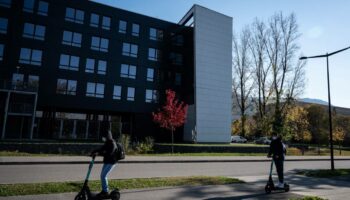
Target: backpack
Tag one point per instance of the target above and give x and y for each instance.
(119, 152)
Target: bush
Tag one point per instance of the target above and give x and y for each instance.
(145, 146)
(125, 141)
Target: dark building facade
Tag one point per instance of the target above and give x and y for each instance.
(72, 69)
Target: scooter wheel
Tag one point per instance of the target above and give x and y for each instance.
(116, 196)
(267, 189)
(286, 188)
(80, 196)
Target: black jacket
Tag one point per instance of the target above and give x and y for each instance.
(107, 151)
(277, 149)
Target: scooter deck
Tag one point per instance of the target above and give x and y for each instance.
(113, 195)
(270, 186)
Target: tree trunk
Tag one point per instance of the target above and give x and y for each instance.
(243, 125)
(172, 141)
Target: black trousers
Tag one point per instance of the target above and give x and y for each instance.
(279, 167)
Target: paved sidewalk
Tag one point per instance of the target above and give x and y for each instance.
(155, 159)
(253, 189)
(215, 192)
(336, 188)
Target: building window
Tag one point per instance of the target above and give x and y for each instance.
(17, 80)
(102, 67)
(135, 30)
(74, 15)
(178, 79)
(3, 25)
(176, 58)
(94, 20)
(128, 71)
(130, 49)
(5, 3)
(122, 26)
(2, 46)
(154, 54)
(106, 22)
(67, 87)
(150, 74)
(131, 94)
(30, 56)
(155, 34)
(117, 92)
(33, 31)
(151, 96)
(71, 38)
(95, 90)
(177, 40)
(28, 6)
(69, 62)
(99, 44)
(90, 65)
(43, 8)
(33, 82)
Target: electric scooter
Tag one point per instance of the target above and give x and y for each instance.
(270, 186)
(86, 194)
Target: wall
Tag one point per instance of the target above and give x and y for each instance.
(213, 74)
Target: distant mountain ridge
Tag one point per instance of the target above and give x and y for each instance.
(339, 110)
(315, 101)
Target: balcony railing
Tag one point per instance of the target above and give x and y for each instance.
(21, 108)
(19, 86)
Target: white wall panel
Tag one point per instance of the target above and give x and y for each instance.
(213, 74)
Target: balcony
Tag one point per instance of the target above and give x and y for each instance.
(19, 86)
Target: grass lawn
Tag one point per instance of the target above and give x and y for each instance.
(204, 154)
(325, 173)
(49, 188)
(290, 152)
(215, 144)
(16, 153)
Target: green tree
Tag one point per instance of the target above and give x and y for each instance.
(318, 125)
(296, 124)
(338, 137)
(287, 70)
(344, 123)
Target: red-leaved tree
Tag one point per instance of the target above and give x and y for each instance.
(172, 115)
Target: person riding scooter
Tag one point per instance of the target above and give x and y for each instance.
(109, 161)
(278, 151)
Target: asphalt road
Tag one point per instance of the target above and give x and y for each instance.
(76, 172)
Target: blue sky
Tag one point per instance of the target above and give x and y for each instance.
(324, 25)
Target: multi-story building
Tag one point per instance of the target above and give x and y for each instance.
(72, 69)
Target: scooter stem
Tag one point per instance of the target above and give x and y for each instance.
(271, 167)
(90, 168)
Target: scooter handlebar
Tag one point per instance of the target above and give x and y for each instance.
(93, 155)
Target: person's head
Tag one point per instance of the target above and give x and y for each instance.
(107, 136)
(274, 135)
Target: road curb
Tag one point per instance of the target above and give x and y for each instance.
(160, 161)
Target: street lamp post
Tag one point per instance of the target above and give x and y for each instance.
(329, 99)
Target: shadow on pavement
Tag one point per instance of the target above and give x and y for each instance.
(255, 189)
(234, 191)
(262, 196)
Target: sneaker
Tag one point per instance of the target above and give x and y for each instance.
(280, 185)
(102, 194)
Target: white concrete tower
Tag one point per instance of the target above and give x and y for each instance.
(210, 116)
